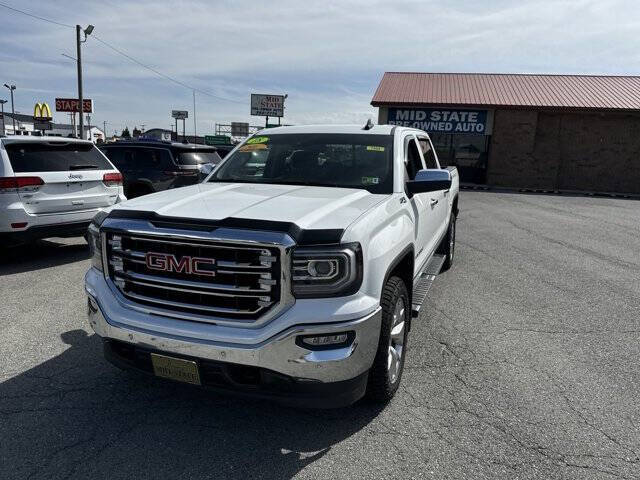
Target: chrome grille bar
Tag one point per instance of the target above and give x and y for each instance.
(247, 280)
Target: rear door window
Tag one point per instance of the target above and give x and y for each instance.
(55, 157)
(151, 158)
(116, 156)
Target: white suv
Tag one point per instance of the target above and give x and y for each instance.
(52, 187)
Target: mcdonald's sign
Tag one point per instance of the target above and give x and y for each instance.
(41, 111)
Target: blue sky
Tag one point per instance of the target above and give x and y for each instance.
(328, 56)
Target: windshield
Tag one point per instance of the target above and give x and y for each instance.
(55, 157)
(195, 157)
(335, 160)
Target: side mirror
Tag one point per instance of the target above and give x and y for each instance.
(430, 180)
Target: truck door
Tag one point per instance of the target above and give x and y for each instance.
(424, 216)
(439, 200)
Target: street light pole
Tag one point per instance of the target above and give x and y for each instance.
(195, 132)
(79, 64)
(86, 31)
(4, 128)
(13, 112)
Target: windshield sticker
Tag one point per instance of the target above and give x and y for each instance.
(252, 148)
(375, 148)
(254, 140)
(370, 180)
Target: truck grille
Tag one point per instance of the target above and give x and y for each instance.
(228, 280)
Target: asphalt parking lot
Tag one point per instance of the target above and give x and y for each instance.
(523, 364)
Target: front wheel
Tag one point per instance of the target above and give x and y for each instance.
(386, 372)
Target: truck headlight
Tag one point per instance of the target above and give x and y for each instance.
(95, 240)
(327, 271)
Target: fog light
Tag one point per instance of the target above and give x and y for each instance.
(333, 340)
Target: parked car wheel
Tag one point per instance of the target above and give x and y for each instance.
(386, 372)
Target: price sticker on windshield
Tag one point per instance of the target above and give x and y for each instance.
(370, 180)
(252, 148)
(254, 140)
(375, 148)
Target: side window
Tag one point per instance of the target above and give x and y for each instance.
(428, 153)
(151, 158)
(116, 156)
(413, 162)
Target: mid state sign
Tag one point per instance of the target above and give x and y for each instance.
(442, 120)
(73, 105)
(267, 105)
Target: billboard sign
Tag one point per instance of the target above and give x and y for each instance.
(73, 105)
(442, 120)
(267, 105)
(179, 114)
(239, 129)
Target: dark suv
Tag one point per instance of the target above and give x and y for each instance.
(152, 166)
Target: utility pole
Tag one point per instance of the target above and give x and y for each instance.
(13, 112)
(142, 125)
(104, 129)
(4, 129)
(86, 31)
(176, 129)
(195, 132)
(184, 138)
(79, 64)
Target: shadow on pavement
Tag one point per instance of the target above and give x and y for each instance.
(41, 254)
(75, 416)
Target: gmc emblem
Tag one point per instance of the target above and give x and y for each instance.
(165, 262)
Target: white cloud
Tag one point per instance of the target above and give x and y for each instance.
(328, 56)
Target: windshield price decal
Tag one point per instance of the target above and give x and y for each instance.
(253, 140)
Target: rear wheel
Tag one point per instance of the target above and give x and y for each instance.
(386, 372)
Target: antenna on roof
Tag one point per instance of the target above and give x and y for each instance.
(368, 126)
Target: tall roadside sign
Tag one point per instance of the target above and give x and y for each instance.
(180, 115)
(263, 105)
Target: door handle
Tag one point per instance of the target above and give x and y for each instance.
(433, 202)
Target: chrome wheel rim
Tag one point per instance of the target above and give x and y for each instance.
(396, 340)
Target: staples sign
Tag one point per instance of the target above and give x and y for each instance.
(73, 105)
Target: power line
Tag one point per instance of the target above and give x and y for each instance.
(167, 77)
(120, 52)
(35, 16)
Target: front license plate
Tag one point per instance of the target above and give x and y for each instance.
(175, 369)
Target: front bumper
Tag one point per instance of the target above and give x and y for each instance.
(279, 353)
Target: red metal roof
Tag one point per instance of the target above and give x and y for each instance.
(509, 90)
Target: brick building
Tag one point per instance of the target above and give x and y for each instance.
(548, 132)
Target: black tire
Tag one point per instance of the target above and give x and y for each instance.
(448, 245)
(383, 381)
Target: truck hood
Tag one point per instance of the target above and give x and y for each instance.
(306, 206)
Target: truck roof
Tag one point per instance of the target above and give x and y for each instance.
(353, 129)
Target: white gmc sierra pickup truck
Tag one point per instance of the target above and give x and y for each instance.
(291, 272)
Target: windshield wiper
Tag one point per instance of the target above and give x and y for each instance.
(83, 167)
